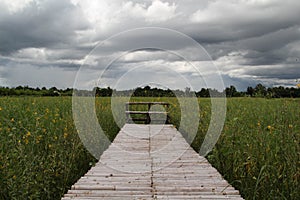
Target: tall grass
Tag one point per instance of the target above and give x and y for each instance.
(41, 154)
(259, 148)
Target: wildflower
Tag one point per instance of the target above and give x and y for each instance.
(55, 137)
(28, 134)
(14, 176)
(12, 120)
(26, 141)
(269, 127)
(49, 145)
(0, 108)
(258, 124)
(65, 135)
(38, 139)
(290, 126)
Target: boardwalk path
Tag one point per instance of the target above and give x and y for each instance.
(151, 162)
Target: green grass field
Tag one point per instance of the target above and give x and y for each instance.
(41, 154)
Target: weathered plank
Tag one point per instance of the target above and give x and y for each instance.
(151, 162)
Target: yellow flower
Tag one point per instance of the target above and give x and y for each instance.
(65, 135)
(290, 126)
(38, 139)
(0, 108)
(269, 127)
(258, 124)
(26, 141)
(55, 137)
(14, 177)
(12, 120)
(49, 145)
(28, 134)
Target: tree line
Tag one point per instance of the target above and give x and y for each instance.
(258, 91)
(29, 91)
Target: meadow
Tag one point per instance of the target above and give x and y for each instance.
(41, 155)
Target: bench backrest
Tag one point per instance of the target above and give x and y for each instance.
(144, 115)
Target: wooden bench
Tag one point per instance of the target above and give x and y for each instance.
(146, 113)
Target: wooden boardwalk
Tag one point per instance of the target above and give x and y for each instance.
(151, 162)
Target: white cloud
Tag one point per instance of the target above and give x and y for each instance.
(157, 12)
(109, 16)
(160, 11)
(139, 56)
(31, 53)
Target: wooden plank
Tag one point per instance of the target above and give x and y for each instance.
(145, 112)
(147, 103)
(151, 162)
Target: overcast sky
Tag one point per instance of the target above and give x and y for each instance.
(47, 42)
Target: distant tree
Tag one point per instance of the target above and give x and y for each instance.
(147, 87)
(250, 91)
(231, 91)
(203, 93)
(53, 89)
(187, 92)
(281, 92)
(19, 88)
(147, 91)
(295, 92)
(260, 90)
(215, 93)
(102, 92)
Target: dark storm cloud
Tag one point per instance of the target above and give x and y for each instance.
(44, 24)
(64, 64)
(249, 40)
(279, 72)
